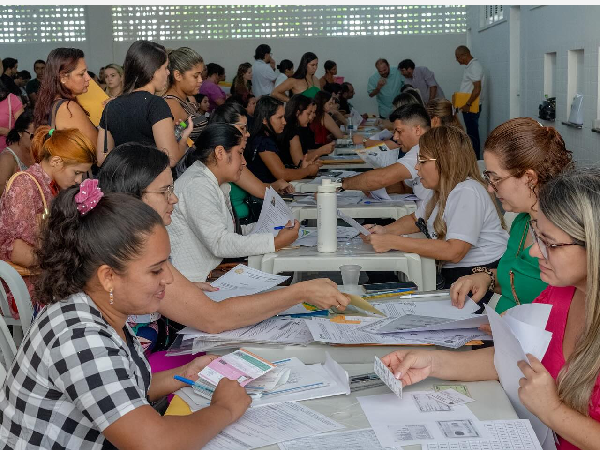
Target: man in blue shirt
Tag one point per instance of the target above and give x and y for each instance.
(385, 85)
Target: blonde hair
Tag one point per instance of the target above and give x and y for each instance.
(116, 67)
(455, 161)
(71, 145)
(443, 109)
(571, 201)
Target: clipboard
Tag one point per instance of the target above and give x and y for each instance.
(459, 99)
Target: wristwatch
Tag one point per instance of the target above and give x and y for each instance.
(365, 141)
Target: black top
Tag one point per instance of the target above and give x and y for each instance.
(345, 105)
(10, 85)
(131, 117)
(307, 142)
(258, 144)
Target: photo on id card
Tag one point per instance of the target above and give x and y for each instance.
(458, 428)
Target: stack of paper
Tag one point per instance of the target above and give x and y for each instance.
(243, 280)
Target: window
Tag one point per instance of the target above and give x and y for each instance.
(42, 24)
(491, 14)
(181, 22)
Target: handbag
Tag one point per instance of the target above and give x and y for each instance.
(26, 271)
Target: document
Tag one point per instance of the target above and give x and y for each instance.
(271, 424)
(274, 213)
(382, 135)
(379, 155)
(417, 419)
(348, 440)
(241, 365)
(381, 194)
(451, 397)
(386, 375)
(353, 223)
(243, 280)
(356, 118)
(512, 340)
(308, 237)
(505, 435)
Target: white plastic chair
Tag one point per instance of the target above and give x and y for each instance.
(17, 287)
(8, 349)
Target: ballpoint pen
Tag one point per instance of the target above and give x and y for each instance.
(283, 227)
(193, 384)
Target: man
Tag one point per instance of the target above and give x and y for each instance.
(11, 67)
(346, 94)
(33, 86)
(421, 78)
(21, 80)
(384, 85)
(410, 123)
(472, 82)
(263, 71)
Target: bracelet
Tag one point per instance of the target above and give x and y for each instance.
(299, 164)
(489, 272)
(365, 141)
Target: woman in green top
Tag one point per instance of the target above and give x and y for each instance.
(520, 157)
(302, 82)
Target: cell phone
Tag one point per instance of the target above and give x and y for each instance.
(390, 285)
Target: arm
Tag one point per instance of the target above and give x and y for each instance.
(453, 250)
(372, 180)
(251, 184)
(279, 171)
(321, 151)
(71, 115)
(164, 138)
(33, 97)
(332, 127)
(296, 150)
(477, 284)
(23, 254)
(279, 91)
(474, 95)
(110, 144)
(176, 110)
(8, 167)
(432, 92)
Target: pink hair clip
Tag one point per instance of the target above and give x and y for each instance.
(88, 196)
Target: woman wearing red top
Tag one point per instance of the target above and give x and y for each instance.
(323, 125)
(563, 389)
(62, 158)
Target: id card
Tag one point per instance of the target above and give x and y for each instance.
(386, 375)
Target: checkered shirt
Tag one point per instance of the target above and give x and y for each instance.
(73, 376)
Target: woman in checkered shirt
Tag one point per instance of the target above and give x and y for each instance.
(80, 379)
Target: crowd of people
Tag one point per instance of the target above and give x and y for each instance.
(118, 225)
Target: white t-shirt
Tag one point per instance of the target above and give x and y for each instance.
(263, 78)
(471, 217)
(280, 78)
(409, 160)
(473, 72)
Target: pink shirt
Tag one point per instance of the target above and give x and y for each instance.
(5, 121)
(213, 92)
(560, 298)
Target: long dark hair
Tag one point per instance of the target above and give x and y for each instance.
(61, 61)
(239, 85)
(21, 125)
(131, 168)
(3, 91)
(215, 134)
(143, 59)
(72, 246)
(266, 107)
(301, 71)
(296, 106)
(321, 98)
(228, 112)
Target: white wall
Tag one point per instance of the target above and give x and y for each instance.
(543, 30)
(355, 56)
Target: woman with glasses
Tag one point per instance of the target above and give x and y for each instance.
(461, 219)
(17, 155)
(520, 156)
(563, 389)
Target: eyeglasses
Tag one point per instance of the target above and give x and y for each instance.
(494, 183)
(166, 192)
(544, 246)
(422, 160)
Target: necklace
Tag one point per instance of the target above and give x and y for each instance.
(512, 273)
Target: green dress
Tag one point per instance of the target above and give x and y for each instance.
(237, 196)
(311, 91)
(526, 270)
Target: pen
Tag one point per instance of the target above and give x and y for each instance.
(390, 291)
(192, 383)
(283, 227)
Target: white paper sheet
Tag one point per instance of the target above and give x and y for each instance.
(379, 156)
(274, 213)
(381, 194)
(509, 351)
(271, 424)
(243, 280)
(364, 439)
(353, 223)
(308, 237)
(506, 435)
(401, 422)
(382, 135)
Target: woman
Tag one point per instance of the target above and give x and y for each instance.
(62, 158)
(251, 106)
(203, 230)
(203, 104)
(113, 74)
(262, 153)
(303, 81)
(139, 115)
(92, 383)
(441, 112)
(330, 73)
(143, 172)
(461, 219)
(293, 149)
(185, 80)
(210, 87)
(563, 390)
(11, 108)
(323, 125)
(242, 82)
(286, 70)
(521, 156)
(65, 77)
(17, 155)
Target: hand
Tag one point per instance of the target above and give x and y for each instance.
(205, 286)
(283, 187)
(323, 293)
(486, 328)
(477, 284)
(287, 235)
(375, 229)
(365, 116)
(191, 369)
(538, 391)
(381, 242)
(357, 139)
(313, 168)
(465, 108)
(381, 83)
(273, 63)
(312, 159)
(188, 130)
(232, 397)
(410, 366)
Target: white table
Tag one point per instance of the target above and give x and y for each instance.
(387, 210)
(347, 166)
(418, 269)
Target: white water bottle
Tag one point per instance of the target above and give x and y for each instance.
(327, 216)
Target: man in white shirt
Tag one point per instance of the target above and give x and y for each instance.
(410, 123)
(421, 78)
(472, 81)
(263, 71)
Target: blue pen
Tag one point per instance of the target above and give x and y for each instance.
(283, 227)
(192, 383)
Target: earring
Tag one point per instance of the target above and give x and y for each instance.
(112, 298)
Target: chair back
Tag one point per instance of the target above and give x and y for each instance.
(18, 288)
(8, 349)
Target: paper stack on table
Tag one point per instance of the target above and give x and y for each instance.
(243, 280)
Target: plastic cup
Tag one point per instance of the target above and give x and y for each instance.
(350, 274)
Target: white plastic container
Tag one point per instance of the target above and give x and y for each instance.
(327, 216)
